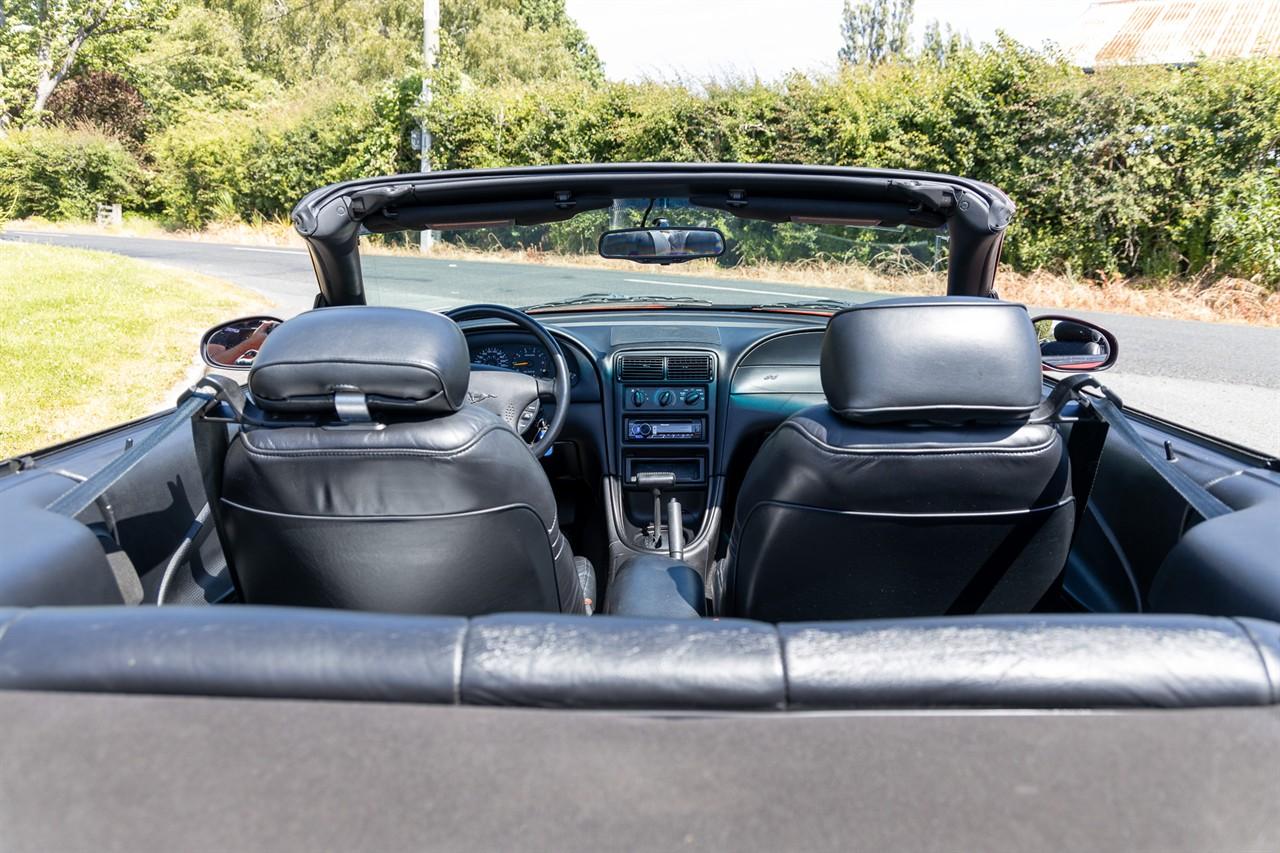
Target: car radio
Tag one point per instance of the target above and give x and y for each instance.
(673, 430)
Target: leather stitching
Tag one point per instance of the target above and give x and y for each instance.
(373, 452)
(1273, 687)
(987, 450)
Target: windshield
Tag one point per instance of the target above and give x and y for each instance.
(811, 263)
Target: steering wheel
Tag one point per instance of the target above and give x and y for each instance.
(514, 396)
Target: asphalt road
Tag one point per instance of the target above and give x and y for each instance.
(1221, 378)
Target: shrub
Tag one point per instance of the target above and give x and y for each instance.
(259, 162)
(65, 173)
(1148, 171)
(1245, 226)
(104, 100)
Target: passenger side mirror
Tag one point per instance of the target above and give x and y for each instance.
(234, 345)
(1068, 344)
(662, 245)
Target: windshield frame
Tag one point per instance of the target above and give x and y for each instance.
(331, 219)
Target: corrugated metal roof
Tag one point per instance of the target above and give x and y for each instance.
(1151, 32)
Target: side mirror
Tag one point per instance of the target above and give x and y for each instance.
(234, 345)
(662, 245)
(1068, 344)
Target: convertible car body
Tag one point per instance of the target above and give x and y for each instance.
(642, 570)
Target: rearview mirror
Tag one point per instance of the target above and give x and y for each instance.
(662, 245)
(234, 345)
(1068, 344)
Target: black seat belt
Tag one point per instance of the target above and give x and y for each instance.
(77, 499)
(1107, 412)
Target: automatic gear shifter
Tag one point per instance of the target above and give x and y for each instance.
(655, 480)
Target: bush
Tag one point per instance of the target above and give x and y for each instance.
(65, 173)
(1246, 227)
(104, 100)
(259, 162)
(1124, 171)
(1148, 171)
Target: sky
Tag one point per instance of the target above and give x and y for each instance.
(717, 39)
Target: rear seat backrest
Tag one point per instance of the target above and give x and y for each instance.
(559, 661)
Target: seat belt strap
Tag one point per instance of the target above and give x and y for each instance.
(1107, 410)
(211, 443)
(1084, 448)
(77, 499)
(80, 496)
(1197, 496)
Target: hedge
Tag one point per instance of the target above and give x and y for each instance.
(65, 173)
(1139, 171)
(259, 162)
(1148, 171)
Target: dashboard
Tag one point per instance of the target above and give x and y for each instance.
(686, 394)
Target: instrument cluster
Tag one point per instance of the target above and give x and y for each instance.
(528, 358)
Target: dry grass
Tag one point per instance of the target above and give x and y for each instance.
(1225, 300)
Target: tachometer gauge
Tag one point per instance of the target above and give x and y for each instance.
(492, 356)
(531, 360)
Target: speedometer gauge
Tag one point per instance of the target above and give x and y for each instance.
(531, 360)
(492, 356)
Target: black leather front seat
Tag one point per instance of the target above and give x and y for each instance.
(920, 488)
(430, 506)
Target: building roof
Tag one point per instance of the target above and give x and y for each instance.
(1162, 32)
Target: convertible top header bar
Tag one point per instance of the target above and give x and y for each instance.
(330, 218)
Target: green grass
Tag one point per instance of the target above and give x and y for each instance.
(92, 339)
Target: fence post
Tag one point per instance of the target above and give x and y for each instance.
(110, 215)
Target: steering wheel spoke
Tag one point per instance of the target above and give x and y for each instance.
(516, 397)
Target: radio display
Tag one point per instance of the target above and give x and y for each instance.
(673, 430)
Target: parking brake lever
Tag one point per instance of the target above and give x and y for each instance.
(675, 530)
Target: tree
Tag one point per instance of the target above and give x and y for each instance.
(941, 42)
(516, 41)
(875, 30)
(42, 40)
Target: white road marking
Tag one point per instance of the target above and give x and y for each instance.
(273, 251)
(718, 287)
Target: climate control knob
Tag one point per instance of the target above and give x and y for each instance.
(692, 397)
(666, 398)
(638, 397)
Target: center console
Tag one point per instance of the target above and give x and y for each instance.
(664, 416)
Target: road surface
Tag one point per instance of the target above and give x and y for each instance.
(1221, 378)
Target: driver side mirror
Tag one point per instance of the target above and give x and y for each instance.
(234, 345)
(1068, 344)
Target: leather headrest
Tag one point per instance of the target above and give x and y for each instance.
(398, 358)
(1065, 330)
(945, 359)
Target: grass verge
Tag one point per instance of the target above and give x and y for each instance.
(92, 339)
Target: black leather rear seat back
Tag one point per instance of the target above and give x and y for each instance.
(563, 661)
(272, 652)
(920, 488)
(616, 662)
(1086, 661)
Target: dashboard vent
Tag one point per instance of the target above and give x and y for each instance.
(639, 368)
(689, 368)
